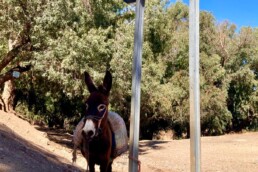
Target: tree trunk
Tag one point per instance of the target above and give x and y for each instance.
(8, 95)
(8, 92)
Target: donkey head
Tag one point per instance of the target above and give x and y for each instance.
(96, 105)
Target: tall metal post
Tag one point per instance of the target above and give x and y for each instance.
(136, 88)
(195, 130)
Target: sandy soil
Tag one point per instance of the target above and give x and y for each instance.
(28, 148)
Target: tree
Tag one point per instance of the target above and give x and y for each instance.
(16, 23)
(242, 92)
(75, 40)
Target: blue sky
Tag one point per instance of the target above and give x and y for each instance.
(240, 12)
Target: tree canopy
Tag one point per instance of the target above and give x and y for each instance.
(62, 39)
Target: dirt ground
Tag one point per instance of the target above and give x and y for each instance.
(28, 148)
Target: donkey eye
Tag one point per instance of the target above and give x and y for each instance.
(101, 107)
(86, 106)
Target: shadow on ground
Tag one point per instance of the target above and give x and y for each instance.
(145, 146)
(59, 136)
(63, 138)
(17, 154)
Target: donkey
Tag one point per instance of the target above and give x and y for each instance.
(96, 132)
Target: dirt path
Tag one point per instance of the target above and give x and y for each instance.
(28, 148)
(17, 154)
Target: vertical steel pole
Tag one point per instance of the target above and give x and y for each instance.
(195, 130)
(136, 87)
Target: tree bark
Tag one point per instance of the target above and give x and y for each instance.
(8, 95)
(8, 92)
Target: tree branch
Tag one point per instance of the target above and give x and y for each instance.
(22, 41)
(9, 75)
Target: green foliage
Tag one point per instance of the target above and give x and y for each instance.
(242, 100)
(70, 37)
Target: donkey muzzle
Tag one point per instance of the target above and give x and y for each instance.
(89, 129)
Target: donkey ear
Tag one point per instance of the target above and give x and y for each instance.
(107, 82)
(89, 83)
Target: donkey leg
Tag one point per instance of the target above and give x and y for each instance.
(109, 167)
(106, 167)
(92, 166)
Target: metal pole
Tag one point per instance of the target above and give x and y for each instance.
(136, 88)
(195, 130)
